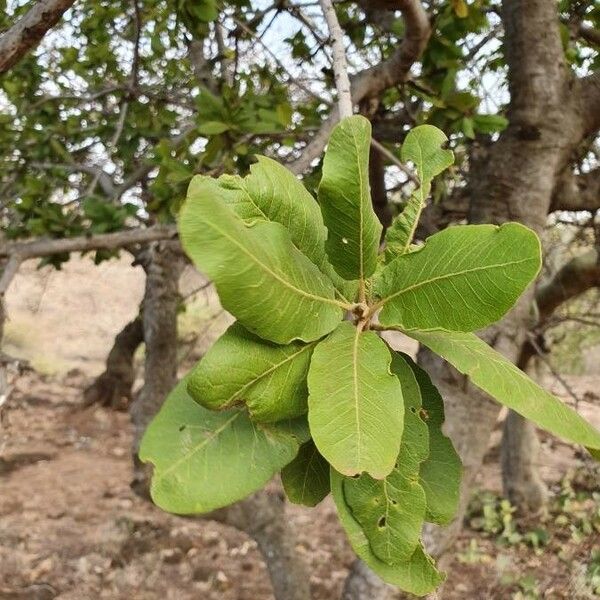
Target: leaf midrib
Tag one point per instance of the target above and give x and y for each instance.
(273, 273)
(198, 447)
(271, 369)
(449, 275)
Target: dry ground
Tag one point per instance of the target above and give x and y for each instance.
(71, 528)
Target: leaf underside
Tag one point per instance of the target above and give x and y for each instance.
(424, 147)
(261, 277)
(306, 479)
(241, 368)
(391, 511)
(463, 279)
(354, 230)
(417, 576)
(355, 404)
(440, 474)
(205, 460)
(505, 382)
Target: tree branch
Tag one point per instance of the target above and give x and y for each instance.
(577, 192)
(590, 102)
(106, 241)
(374, 80)
(28, 31)
(340, 65)
(572, 279)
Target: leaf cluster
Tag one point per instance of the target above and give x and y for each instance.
(304, 384)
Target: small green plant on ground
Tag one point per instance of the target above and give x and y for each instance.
(303, 384)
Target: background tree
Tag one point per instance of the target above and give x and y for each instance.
(103, 125)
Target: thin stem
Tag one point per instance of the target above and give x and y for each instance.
(340, 64)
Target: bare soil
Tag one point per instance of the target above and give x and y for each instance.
(71, 528)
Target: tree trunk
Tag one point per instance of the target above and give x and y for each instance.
(161, 299)
(113, 387)
(520, 475)
(262, 516)
(514, 181)
(363, 584)
(3, 374)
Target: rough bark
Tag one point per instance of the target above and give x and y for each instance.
(28, 31)
(514, 182)
(363, 584)
(521, 480)
(114, 386)
(3, 375)
(163, 265)
(262, 516)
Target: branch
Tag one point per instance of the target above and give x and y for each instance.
(99, 175)
(571, 280)
(577, 192)
(589, 34)
(340, 65)
(17, 252)
(374, 80)
(105, 241)
(590, 104)
(28, 31)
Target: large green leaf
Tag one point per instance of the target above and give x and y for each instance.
(502, 380)
(464, 278)
(270, 192)
(261, 277)
(355, 409)
(441, 472)
(204, 460)
(424, 147)
(417, 576)
(391, 511)
(306, 479)
(345, 199)
(241, 367)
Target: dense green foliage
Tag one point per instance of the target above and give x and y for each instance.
(373, 415)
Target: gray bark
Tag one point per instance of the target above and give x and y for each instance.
(163, 265)
(363, 584)
(514, 181)
(262, 516)
(114, 386)
(28, 31)
(520, 453)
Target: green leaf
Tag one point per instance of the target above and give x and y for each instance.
(273, 193)
(242, 368)
(464, 278)
(505, 382)
(261, 277)
(424, 147)
(213, 128)
(490, 123)
(417, 576)
(306, 479)
(345, 199)
(391, 511)
(441, 472)
(355, 409)
(204, 460)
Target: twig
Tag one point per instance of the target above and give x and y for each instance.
(340, 64)
(268, 50)
(383, 150)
